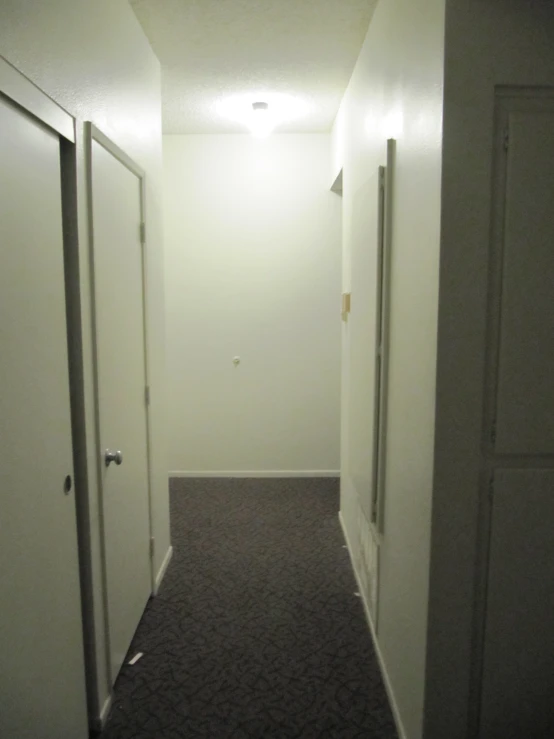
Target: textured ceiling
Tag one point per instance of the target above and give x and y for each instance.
(213, 50)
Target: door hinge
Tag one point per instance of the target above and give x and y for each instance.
(506, 138)
(152, 547)
(142, 231)
(147, 394)
(493, 432)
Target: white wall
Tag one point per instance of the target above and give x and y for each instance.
(395, 91)
(492, 42)
(94, 60)
(252, 270)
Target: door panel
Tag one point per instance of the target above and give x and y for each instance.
(518, 674)
(42, 679)
(525, 401)
(516, 592)
(118, 279)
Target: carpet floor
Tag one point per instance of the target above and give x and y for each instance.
(256, 632)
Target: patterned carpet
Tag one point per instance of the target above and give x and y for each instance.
(256, 632)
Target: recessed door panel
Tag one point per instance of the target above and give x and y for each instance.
(518, 674)
(525, 396)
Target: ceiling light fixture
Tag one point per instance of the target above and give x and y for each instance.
(261, 123)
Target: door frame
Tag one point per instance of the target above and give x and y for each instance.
(94, 134)
(382, 345)
(30, 98)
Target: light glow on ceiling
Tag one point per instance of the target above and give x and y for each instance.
(260, 120)
(262, 123)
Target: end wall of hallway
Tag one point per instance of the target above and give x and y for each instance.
(253, 305)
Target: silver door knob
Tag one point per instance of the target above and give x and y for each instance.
(110, 457)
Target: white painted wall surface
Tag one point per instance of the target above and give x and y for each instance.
(395, 91)
(94, 60)
(492, 42)
(252, 270)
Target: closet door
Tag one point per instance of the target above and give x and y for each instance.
(518, 658)
(42, 679)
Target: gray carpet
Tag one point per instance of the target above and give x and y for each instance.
(256, 632)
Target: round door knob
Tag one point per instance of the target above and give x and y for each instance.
(110, 457)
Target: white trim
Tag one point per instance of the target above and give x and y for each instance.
(254, 473)
(98, 723)
(97, 135)
(20, 89)
(388, 687)
(163, 570)
(105, 712)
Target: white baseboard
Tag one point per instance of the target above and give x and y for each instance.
(254, 473)
(386, 680)
(98, 724)
(162, 570)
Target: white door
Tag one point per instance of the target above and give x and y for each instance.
(42, 678)
(119, 310)
(518, 657)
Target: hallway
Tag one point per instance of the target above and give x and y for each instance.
(256, 631)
